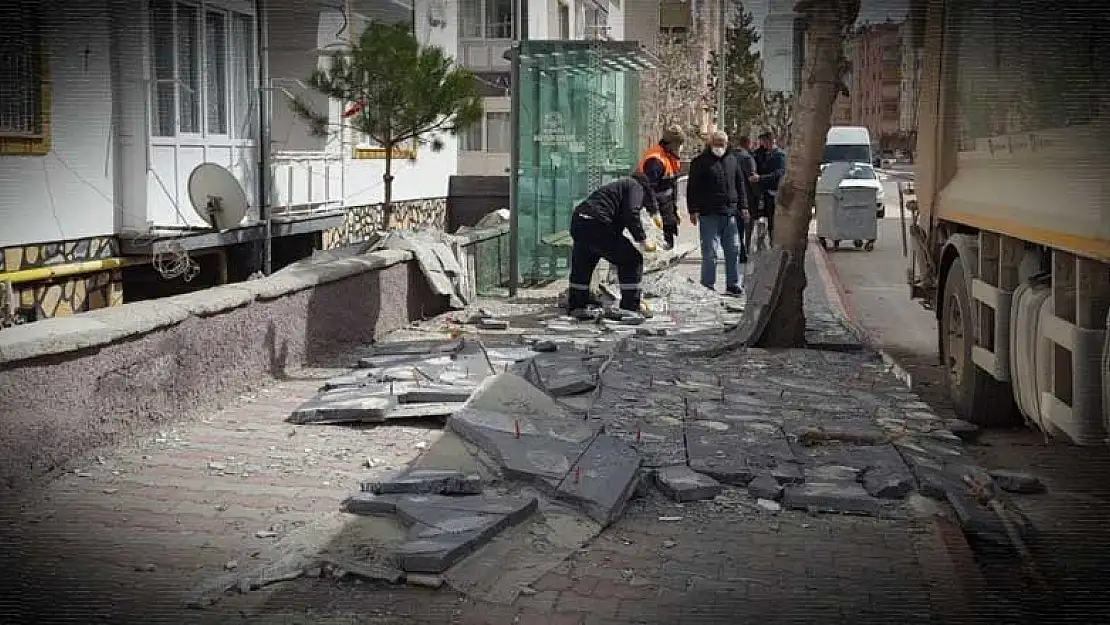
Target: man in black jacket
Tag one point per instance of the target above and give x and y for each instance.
(597, 228)
(771, 163)
(716, 197)
(747, 167)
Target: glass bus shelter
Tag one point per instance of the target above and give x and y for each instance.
(578, 127)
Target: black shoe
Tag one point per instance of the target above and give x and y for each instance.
(734, 291)
(585, 314)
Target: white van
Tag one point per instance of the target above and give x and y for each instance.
(851, 144)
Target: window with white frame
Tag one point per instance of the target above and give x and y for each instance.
(493, 133)
(203, 70)
(486, 19)
(21, 70)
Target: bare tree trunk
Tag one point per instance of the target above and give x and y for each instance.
(387, 179)
(826, 22)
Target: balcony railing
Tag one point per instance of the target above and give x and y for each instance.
(306, 182)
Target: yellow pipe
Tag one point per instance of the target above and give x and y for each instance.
(64, 270)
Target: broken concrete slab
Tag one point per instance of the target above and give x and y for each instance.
(841, 498)
(368, 504)
(832, 473)
(490, 323)
(683, 484)
(734, 453)
(417, 348)
(765, 486)
(886, 484)
(358, 377)
(423, 411)
(344, 405)
(426, 482)
(602, 480)
(443, 533)
(435, 393)
(1017, 482)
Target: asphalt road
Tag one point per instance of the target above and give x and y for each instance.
(1071, 550)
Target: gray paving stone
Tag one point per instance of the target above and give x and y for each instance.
(344, 405)
(1017, 482)
(368, 504)
(842, 498)
(417, 348)
(832, 473)
(493, 324)
(682, 484)
(734, 453)
(444, 530)
(886, 484)
(426, 482)
(603, 479)
(765, 486)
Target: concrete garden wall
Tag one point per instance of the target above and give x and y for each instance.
(70, 385)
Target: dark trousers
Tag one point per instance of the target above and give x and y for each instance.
(769, 213)
(670, 231)
(592, 242)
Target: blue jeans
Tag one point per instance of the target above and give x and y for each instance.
(722, 228)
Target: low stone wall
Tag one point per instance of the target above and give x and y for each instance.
(70, 385)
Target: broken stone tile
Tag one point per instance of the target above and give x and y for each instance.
(886, 484)
(426, 482)
(765, 486)
(345, 405)
(683, 484)
(1017, 482)
(854, 433)
(858, 457)
(369, 504)
(493, 324)
(842, 498)
(417, 348)
(545, 347)
(435, 393)
(444, 530)
(966, 431)
(355, 378)
(603, 479)
(981, 524)
(391, 360)
(832, 473)
(421, 411)
(734, 453)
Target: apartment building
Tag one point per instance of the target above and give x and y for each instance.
(876, 79)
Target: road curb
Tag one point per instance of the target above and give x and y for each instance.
(842, 307)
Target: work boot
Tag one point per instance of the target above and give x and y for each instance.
(734, 291)
(585, 314)
(623, 316)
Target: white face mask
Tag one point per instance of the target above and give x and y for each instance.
(719, 151)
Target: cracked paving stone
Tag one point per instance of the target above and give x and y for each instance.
(981, 524)
(842, 498)
(426, 482)
(603, 479)
(416, 348)
(1017, 482)
(368, 504)
(444, 530)
(737, 454)
(886, 484)
(344, 405)
(765, 486)
(682, 484)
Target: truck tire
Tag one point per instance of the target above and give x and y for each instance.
(976, 396)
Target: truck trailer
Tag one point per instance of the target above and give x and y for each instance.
(1011, 228)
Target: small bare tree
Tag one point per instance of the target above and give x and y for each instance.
(675, 92)
(776, 113)
(827, 24)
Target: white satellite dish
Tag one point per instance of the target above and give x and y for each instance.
(217, 196)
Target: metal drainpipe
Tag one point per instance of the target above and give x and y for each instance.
(262, 17)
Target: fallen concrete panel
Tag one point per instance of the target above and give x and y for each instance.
(417, 348)
(423, 411)
(842, 498)
(602, 480)
(734, 453)
(426, 482)
(682, 484)
(344, 405)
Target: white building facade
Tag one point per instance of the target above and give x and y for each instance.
(107, 106)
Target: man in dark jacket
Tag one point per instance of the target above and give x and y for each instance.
(747, 167)
(597, 228)
(716, 197)
(771, 163)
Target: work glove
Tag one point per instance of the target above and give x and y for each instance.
(657, 220)
(646, 247)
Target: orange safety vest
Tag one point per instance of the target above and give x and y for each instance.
(671, 164)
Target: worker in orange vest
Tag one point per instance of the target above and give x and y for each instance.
(660, 165)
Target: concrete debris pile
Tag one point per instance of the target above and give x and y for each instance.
(406, 380)
(446, 513)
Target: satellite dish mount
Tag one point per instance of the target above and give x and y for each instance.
(217, 196)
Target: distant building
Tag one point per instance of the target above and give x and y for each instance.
(913, 42)
(876, 79)
(782, 47)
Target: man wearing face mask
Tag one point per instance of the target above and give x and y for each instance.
(716, 194)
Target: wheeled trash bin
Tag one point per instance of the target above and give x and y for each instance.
(845, 211)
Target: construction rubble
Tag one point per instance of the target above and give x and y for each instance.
(552, 430)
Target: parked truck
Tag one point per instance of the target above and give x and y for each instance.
(1011, 228)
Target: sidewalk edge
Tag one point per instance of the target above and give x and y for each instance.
(842, 307)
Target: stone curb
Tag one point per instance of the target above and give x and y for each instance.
(842, 307)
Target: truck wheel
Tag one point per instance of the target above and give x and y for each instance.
(977, 397)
